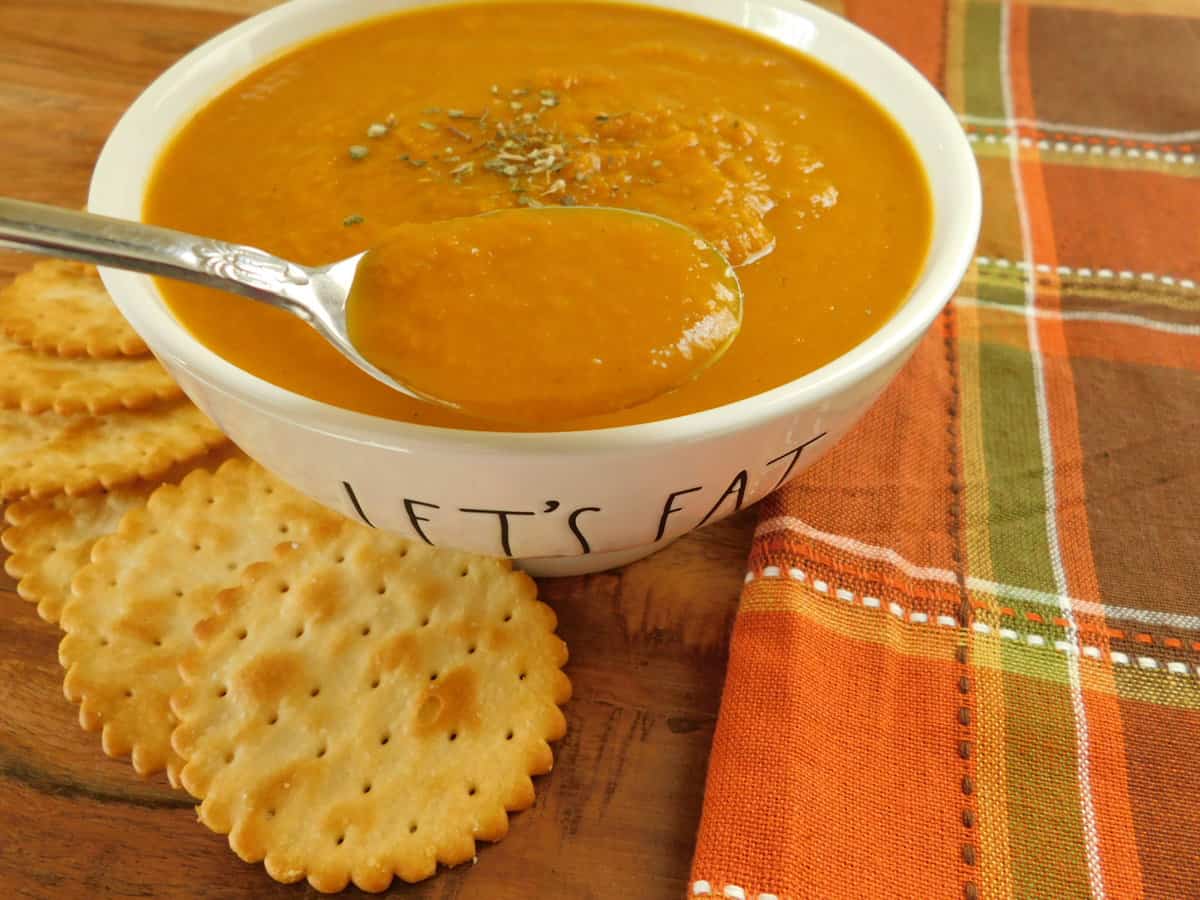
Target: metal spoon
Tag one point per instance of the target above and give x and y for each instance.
(317, 294)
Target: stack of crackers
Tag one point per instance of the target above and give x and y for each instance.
(345, 704)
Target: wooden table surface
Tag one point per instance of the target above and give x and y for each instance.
(618, 815)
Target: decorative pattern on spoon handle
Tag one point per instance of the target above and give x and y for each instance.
(248, 266)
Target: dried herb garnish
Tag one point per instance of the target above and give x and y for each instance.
(511, 139)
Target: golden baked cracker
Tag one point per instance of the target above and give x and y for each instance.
(50, 538)
(133, 607)
(367, 706)
(62, 307)
(43, 454)
(35, 382)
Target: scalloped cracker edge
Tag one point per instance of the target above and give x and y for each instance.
(133, 607)
(61, 307)
(368, 707)
(35, 382)
(51, 538)
(45, 454)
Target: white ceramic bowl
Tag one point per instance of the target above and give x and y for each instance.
(568, 502)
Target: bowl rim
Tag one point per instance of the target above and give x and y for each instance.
(139, 300)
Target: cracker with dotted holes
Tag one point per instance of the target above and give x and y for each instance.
(62, 307)
(51, 538)
(41, 455)
(133, 607)
(34, 382)
(368, 706)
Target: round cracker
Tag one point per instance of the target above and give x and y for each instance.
(34, 382)
(368, 706)
(133, 607)
(50, 538)
(62, 307)
(41, 455)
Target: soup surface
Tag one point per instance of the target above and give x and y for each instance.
(431, 305)
(807, 186)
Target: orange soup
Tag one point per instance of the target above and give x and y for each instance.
(806, 185)
(544, 316)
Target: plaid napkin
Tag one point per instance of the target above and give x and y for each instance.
(967, 659)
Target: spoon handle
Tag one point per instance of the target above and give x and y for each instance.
(121, 244)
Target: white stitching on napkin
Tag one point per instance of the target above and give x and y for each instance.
(1125, 134)
(974, 583)
(1022, 265)
(1029, 638)
(1113, 151)
(702, 888)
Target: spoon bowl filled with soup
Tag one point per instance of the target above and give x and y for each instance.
(541, 317)
(800, 150)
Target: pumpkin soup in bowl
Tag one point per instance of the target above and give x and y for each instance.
(799, 178)
(821, 163)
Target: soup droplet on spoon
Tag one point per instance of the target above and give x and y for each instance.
(535, 316)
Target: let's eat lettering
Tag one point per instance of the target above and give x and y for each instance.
(682, 509)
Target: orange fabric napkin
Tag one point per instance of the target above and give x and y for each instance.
(967, 658)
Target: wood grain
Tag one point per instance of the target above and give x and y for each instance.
(618, 815)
